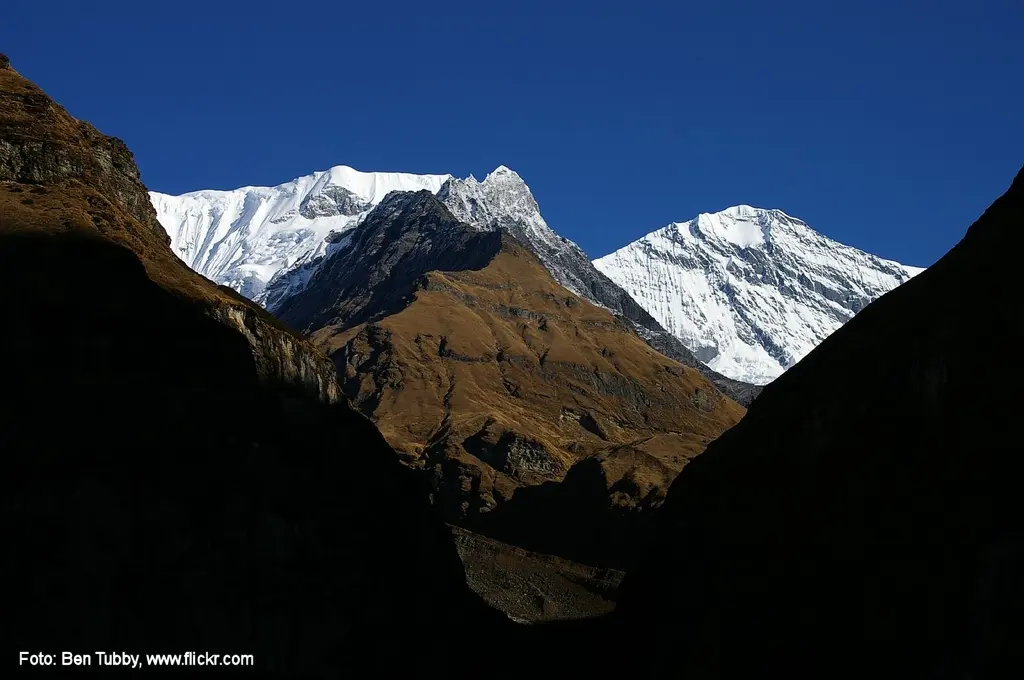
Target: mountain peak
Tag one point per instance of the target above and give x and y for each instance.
(503, 173)
(504, 202)
(746, 211)
(742, 210)
(740, 226)
(750, 290)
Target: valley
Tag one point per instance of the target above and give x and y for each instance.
(384, 424)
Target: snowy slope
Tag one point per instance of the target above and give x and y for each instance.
(750, 291)
(244, 237)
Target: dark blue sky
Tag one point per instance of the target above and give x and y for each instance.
(886, 125)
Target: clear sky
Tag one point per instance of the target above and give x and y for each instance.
(886, 125)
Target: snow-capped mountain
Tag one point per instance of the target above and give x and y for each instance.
(268, 242)
(502, 201)
(750, 291)
(244, 237)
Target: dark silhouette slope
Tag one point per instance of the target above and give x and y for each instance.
(864, 519)
(180, 473)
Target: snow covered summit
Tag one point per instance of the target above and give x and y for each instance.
(242, 238)
(750, 291)
(504, 202)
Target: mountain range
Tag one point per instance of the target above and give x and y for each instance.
(741, 295)
(545, 404)
(184, 470)
(498, 360)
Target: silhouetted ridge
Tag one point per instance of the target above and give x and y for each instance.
(866, 513)
(181, 473)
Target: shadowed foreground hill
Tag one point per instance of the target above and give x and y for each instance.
(180, 473)
(540, 418)
(864, 518)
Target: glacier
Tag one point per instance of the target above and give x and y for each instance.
(750, 290)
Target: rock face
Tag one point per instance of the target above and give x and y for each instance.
(511, 394)
(410, 234)
(865, 517)
(749, 291)
(181, 471)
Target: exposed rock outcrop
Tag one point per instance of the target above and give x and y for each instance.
(532, 587)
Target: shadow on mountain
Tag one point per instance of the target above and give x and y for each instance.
(181, 472)
(572, 519)
(159, 498)
(412, 234)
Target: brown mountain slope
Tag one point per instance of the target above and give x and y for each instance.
(62, 176)
(179, 473)
(495, 380)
